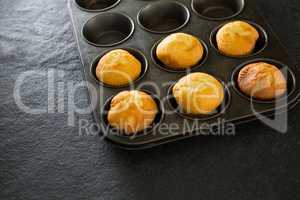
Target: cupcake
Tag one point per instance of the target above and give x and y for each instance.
(198, 93)
(180, 51)
(237, 38)
(118, 67)
(132, 111)
(262, 81)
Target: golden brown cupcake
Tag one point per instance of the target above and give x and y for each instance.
(237, 38)
(180, 51)
(198, 93)
(132, 111)
(262, 81)
(118, 67)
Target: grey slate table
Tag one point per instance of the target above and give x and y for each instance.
(43, 158)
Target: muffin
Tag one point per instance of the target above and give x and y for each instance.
(262, 81)
(198, 93)
(132, 111)
(180, 51)
(237, 38)
(118, 67)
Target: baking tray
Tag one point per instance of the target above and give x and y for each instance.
(139, 31)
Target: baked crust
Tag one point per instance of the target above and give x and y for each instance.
(132, 111)
(198, 93)
(262, 81)
(237, 38)
(180, 51)
(118, 67)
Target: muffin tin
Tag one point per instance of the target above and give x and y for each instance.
(138, 26)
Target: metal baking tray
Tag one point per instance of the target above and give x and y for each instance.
(138, 26)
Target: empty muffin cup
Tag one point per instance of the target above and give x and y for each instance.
(163, 16)
(286, 71)
(96, 5)
(162, 66)
(217, 113)
(218, 9)
(157, 120)
(108, 29)
(260, 45)
(136, 53)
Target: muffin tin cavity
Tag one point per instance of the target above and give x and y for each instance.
(286, 71)
(157, 120)
(163, 16)
(108, 29)
(217, 113)
(162, 66)
(96, 5)
(260, 45)
(217, 9)
(136, 53)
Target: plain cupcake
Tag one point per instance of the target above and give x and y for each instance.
(198, 93)
(180, 51)
(132, 111)
(237, 38)
(262, 81)
(118, 67)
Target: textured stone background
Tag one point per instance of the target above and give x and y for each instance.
(43, 158)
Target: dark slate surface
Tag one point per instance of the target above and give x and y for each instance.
(43, 158)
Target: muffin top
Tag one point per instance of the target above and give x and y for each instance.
(118, 67)
(180, 51)
(262, 81)
(132, 111)
(237, 38)
(198, 93)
